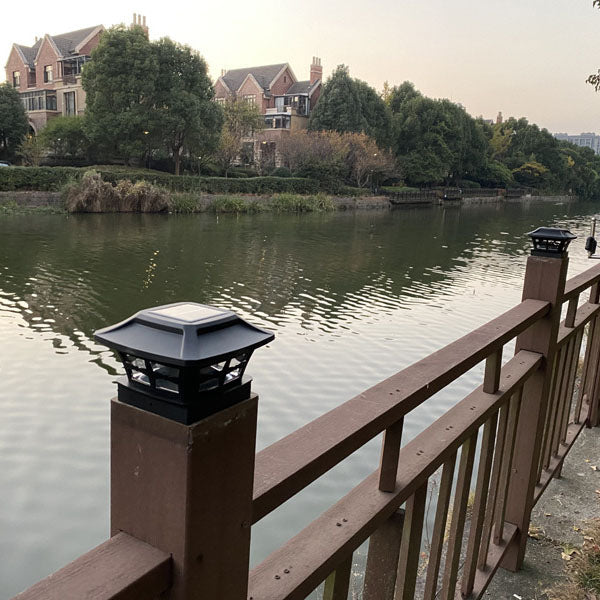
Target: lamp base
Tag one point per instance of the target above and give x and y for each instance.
(206, 403)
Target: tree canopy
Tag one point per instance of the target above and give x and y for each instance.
(13, 121)
(350, 105)
(143, 95)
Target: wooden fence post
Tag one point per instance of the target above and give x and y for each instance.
(545, 278)
(187, 490)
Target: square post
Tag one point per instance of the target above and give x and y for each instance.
(187, 490)
(545, 278)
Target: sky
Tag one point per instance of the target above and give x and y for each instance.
(525, 58)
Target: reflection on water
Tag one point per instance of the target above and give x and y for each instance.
(352, 298)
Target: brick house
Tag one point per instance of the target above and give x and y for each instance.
(284, 101)
(48, 74)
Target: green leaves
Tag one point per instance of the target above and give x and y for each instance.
(13, 122)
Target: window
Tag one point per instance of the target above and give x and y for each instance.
(220, 100)
(73, 66)
(16, 79)
(42, 100)
(250, 98)
(48, 75)
(69, 103)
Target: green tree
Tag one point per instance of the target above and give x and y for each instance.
(241, 119)
(120, 85)
(351, 105)
(184, 117)
(13, 122)
(402, 94)
(66, 137)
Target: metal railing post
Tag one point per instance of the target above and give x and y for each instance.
(545, 278)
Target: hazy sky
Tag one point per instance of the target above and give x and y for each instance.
(525, 58)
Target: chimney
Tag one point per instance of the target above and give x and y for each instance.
(223, 71)
(316, 70)
(140, 21)
(499, 118)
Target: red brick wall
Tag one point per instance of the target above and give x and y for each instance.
(283, 83)
(15, 63)
(250, 87)
(315, 97)
(46, 56)
(220, 90)
(87, 49)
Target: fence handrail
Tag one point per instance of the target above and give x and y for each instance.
(312, 554)
(123, 567)
(287, 466)
(581, 282)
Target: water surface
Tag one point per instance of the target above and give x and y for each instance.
(352, 297)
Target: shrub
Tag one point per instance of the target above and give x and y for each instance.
(296, 203)
(92, 194)
(281, 172)
(228, 204)
(183, 204)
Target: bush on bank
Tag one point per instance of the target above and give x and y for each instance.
(54, 178)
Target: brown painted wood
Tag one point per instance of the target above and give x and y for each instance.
(488, 520)
(439, 529)
(292, 463)
(493, 365)
(554, 403)
(479, 505)
(121, 568)
(546, 451)
(579, 283)
(183, 490)
(459, 515)
(544, 279)
(507, 461)
(390, 451)
(317, 549)
(573, 431)
(410, 547)
(585, 313)
(337, 585)
(382, 560)
(571, 312)
(579, 402)
(567, 398)
(494, 559)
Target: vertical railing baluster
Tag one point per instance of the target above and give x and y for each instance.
(410, 548)
(382, 559)
(459, 513)
(390, 451)
(493, 367)
(481, 494)
(439, 528)
(337, 585)
(576, 375)
(509, 448)
(562, 399)
(493, 493)
(571, 312)
(553, 404)
(547, 421)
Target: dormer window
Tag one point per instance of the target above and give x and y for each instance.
(250, 98)
(48, 75)
(16, 79)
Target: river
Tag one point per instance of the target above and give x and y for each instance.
(352, 298)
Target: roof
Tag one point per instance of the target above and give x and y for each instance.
(264, 76)
(300, 87)
(66, 43)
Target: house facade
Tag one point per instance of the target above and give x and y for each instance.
(48, 74)
(284, 102)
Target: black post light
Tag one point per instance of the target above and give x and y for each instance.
(184, 361)
(549, 241)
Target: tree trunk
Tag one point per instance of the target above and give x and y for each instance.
(177, 158)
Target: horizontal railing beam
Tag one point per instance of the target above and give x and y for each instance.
(292, 463)
(585, 313)
(122, 568)
(295, 569)
(581, 282)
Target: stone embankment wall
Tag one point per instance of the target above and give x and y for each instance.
(31, 199)
(53, 199)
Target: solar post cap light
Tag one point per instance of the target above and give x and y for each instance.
(549, 241)
(184, 361)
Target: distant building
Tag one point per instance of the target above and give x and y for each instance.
(48, 74)
(585, 140)
(285, 102)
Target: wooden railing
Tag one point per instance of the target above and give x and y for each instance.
(508, 438)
